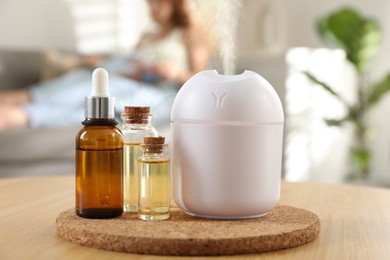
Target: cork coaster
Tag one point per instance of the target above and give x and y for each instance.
(283, 227)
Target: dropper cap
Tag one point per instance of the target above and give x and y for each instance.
(99, 105)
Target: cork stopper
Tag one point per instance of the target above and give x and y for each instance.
(154, 144)
(136, 115)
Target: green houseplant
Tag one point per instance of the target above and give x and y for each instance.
(359, 37)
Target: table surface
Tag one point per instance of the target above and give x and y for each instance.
(355, 221)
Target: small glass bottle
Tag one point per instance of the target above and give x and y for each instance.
(99, 155)
(136, 126)
(154, 190)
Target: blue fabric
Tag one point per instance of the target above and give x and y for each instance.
(60, 102)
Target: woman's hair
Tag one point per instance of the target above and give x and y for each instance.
(180, 16)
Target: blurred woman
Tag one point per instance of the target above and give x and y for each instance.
(151, 76)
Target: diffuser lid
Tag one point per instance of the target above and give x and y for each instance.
(211, 96)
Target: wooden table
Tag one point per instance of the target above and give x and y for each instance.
(355, 221)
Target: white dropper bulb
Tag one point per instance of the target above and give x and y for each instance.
(100, 83)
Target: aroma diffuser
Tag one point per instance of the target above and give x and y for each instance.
(227, 136)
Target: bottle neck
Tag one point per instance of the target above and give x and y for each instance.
(137, 122)
(100, 122)
(154, 150)
(99, 107)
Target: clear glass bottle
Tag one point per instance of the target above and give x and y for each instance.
(99, 155)
(154, 186)
(136, 126)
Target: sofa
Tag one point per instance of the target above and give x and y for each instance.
(28, 151)
(41, 151)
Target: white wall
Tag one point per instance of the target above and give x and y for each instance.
(36, 24)
(87, 26)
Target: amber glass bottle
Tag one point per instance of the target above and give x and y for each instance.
(99, 156)
(99, 170)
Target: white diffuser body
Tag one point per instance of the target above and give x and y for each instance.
(227, 136)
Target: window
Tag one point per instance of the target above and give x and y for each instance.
(108, 26)
(310, 142)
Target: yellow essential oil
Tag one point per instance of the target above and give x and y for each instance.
(136, 126)
(154, 188)
(132, 151)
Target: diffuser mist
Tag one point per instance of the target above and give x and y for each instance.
(227, 133)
